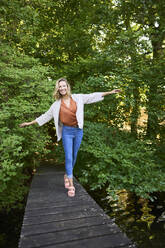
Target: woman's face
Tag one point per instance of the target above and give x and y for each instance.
(62, 87)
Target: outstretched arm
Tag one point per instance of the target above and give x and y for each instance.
(111, 92)
(41, 120)
(97, 96)
(24, 124)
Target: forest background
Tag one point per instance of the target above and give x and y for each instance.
(98, 45)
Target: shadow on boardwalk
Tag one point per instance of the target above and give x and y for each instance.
(52, 219)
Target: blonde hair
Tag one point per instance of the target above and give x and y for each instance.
(56, 93)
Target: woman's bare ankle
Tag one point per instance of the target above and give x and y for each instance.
(70, 182)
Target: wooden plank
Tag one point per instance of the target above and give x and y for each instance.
(63, 236)
(102, 242)
(55, 210)
(48, 217)
(54, 226)
(33, 204)
(52, 219)
(108, 241)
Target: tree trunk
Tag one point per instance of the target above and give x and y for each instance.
(135, 111)
(153, 105)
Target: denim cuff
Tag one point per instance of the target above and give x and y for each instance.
(70, 176)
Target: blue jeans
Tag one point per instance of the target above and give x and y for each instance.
(71, 139)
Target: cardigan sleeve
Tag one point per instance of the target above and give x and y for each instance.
(93, 97)
(44, 118)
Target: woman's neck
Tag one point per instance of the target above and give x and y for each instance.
(66, 97)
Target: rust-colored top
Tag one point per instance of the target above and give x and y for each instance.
(68, 114)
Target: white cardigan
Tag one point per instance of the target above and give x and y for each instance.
(54, 110)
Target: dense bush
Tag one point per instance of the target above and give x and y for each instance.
(25, 94)
(98, 47)
(112, 159)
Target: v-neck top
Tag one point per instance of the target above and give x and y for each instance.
(53, 111)
(68, 114)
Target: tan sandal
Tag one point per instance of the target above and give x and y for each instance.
(66, 182)
(71, 191)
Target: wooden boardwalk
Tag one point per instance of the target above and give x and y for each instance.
(52, 219)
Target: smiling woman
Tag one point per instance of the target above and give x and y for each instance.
(62, 88)
(68, 114)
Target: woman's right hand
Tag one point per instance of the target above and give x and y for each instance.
(24, 124)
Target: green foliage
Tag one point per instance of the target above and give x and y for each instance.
(104, 111)
(116, 39)
(25, 94)
(112, 159)
(98, 45)
(54, 31)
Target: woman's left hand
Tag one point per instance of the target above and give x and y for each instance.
(115, 91)
(111, 92)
